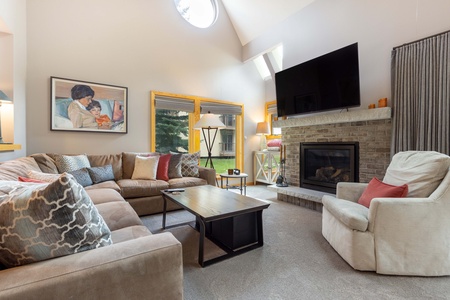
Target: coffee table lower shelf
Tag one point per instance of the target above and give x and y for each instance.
(235, 234)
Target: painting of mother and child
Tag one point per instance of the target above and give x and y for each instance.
(86, 106)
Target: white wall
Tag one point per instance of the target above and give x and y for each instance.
(13, 74)
(377, 26)
(141, 44)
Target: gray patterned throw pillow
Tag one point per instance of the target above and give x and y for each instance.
(82, 177)
(100, 174)
(189, 164)
(40, 221)
(67, 163)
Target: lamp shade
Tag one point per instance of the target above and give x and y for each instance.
(209, 120)
(4, 98)
(262, 128)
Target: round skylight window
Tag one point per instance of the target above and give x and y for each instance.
(200, 13)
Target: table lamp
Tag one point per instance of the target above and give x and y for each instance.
(262, 129)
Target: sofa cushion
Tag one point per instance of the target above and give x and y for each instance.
(176, 183)
(12, 169)
(141, 188)
(128, 159)
(175, 165)
(129, 233)
(145, 167)
(40, 221)
(99, 196)
(101, 174)
(189, 164)
(67, 163)
(118, 215)
(45, 162)
(351, 214)
(104, 185)
(115, 160)
(379, 189)
(163, 167)
(422, 171)
(82, 177)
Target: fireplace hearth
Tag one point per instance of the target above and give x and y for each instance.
(323, 165)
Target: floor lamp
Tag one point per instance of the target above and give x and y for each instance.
(209, 124)
(3, 99)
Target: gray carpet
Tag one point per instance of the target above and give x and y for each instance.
(296, 262)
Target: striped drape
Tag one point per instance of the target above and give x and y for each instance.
(421, 95)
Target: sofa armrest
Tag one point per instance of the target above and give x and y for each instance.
(350, 213)
(411, 235)
(350, 191)
(149, 266)
(209, 174)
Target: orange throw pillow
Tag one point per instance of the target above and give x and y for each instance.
(26, 179)
(379, 189)
(163, 167)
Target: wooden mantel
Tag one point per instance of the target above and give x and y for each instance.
(334, 118)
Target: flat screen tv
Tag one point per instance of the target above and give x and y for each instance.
(328, 82)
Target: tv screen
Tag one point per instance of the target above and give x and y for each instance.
(328, 82)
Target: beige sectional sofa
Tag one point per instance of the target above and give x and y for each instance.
(143, 195)
(137, 265)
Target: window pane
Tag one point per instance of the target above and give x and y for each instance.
(223, 152)
(172, 131)
(200, 13)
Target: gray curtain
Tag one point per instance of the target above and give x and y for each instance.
(421, 95)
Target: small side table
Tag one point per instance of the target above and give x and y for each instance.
(243, 181)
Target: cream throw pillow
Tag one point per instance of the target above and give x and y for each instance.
(145, 167)
(422, 171)
(43, 176)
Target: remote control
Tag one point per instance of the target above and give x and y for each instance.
(174, 190)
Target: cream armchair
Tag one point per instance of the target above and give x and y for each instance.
(398, 236)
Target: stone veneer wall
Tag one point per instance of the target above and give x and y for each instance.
(374, 137)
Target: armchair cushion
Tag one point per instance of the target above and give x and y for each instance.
(352, 214)
(377, 188)
(423, 171)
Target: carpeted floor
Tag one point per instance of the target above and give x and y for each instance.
(296, 262)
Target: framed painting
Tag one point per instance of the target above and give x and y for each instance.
(88, 106)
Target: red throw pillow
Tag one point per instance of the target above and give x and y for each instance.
(163, 167)
(26, 179)
(379, 189)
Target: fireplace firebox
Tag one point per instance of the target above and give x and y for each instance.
(323, 165)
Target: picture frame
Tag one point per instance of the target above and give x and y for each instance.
(98, 108)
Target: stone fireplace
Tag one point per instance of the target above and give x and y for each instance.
(323, 165)
(370, 128)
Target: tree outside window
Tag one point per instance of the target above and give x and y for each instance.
(172, 131)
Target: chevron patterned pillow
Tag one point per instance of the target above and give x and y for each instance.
(189, 164)
(40, 221)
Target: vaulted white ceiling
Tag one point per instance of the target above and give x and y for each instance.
(251, 18)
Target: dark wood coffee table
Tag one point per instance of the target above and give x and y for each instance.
(232, 221)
